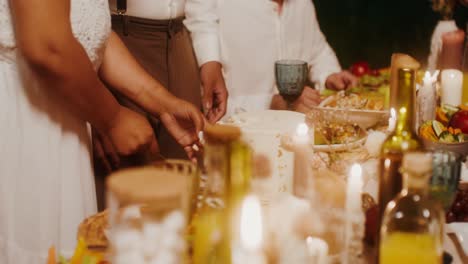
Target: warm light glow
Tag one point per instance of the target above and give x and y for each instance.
(427, 77)
(318, 249)
(251, 223)
(302, 130)
(392, 120)
(387, 163)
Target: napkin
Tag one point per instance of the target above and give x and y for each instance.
(461, 232)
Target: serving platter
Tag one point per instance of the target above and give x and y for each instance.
(340, 147)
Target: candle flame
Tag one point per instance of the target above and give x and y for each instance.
(435, 75)
(392, 119)
(317, 248)
(427, 76)
(251, 223)
(430, 79)
(302, 129)
(356, 171)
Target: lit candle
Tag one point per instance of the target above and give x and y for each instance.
(427, 98)
(452, 83)
(250, 250)
(303, 140)
(354, 214)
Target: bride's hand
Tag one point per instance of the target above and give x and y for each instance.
(184, 122)
(129, 132)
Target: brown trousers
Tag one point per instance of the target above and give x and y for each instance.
(164, 49)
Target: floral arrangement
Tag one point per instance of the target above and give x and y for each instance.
(444, 7)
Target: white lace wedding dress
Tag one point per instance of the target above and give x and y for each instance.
(46, 180)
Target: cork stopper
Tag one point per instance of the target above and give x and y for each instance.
(418, 163)
(400, 61)
(221, 133)
(148, 186)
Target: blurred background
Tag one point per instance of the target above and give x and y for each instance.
(371, 30)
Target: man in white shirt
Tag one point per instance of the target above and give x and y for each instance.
(142, 19)
(248, 36)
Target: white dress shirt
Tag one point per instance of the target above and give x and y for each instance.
(248, 36)
(152, 9)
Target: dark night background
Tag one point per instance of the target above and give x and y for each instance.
(372, 30)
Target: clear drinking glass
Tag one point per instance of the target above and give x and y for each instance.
(147, 215)
(291, 77)
(445, 177)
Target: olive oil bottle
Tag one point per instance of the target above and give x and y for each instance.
(403, 139)
(412, 226)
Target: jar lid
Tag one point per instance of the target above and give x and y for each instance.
(148, 186)
(221, 133)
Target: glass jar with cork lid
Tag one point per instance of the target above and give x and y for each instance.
(148, 209)
(228, 165)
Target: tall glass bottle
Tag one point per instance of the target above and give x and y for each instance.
(412, 226)
(403, 139)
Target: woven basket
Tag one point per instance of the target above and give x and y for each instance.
(189, 169)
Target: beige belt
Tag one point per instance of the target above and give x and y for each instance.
(171, 26)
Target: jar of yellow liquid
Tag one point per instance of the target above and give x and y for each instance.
(412, 227)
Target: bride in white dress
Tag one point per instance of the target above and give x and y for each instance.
(55, 56)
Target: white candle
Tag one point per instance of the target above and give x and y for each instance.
(427, 98)
(391, 120)
(250, 250)
(353, 211)
(317, 249)
(452, 83)
(303, 140)
(354, 188)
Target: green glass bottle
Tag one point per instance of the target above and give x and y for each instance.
(412, 226)
(403, 139)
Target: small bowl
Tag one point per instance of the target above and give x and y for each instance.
(459, 148)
